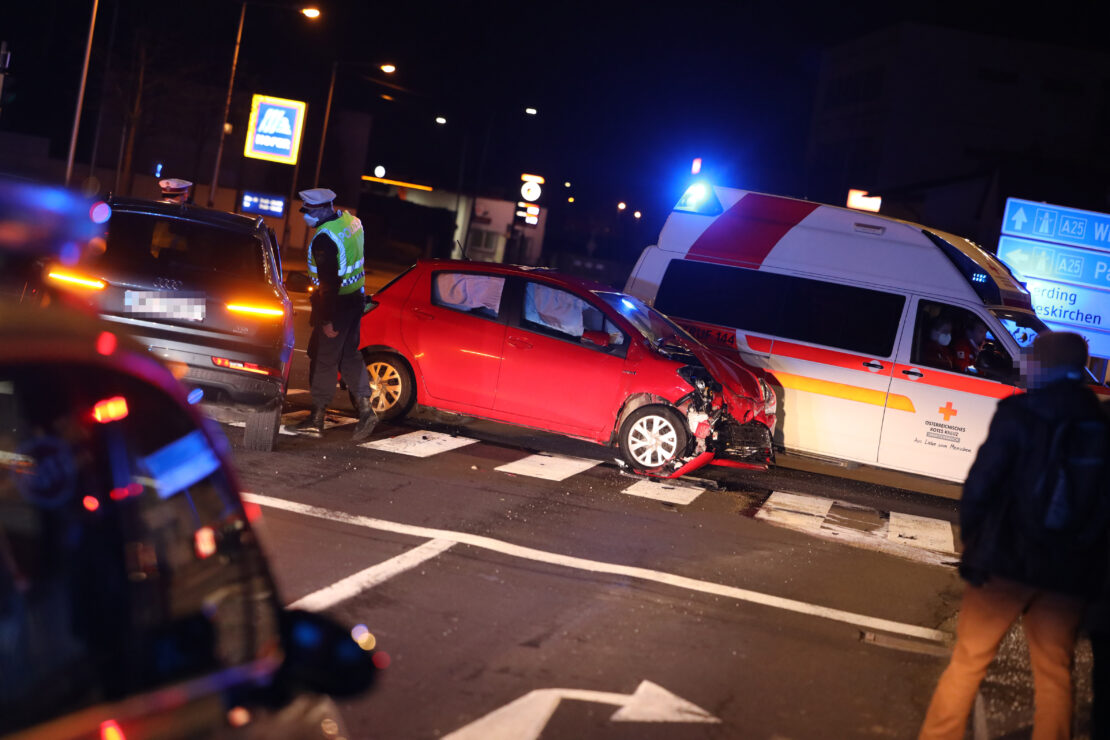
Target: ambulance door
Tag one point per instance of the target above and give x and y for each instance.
(832, 363)
(940, 406)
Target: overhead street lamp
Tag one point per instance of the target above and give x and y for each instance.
(311, 14)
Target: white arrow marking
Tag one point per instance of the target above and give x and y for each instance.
(526, 717)
(1018, 255)
(1020, 218)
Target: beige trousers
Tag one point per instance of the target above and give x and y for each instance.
(1051, 622)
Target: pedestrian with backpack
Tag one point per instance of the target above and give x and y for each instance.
(1034, 524)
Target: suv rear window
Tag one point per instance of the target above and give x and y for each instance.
(180, 248)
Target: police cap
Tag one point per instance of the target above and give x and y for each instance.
(316, 197)
(174, 186)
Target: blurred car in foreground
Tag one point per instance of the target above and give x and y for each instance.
(531, 347)
(201, 289)
(135, 600)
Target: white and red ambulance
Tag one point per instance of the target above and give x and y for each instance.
(889, 343)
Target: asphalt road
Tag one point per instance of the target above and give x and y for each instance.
(787, 604)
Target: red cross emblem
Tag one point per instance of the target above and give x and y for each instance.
(947, 411)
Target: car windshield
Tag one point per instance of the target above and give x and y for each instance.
(1024, 328)
(1022, 325)
(180, 248)
(654, 326)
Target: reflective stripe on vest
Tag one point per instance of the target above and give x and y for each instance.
(346, 232)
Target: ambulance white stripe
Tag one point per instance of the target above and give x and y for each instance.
(596, 566)
(921, 531)
(419, 444)
(548, 467)
(668, 492)
(375, 575)
(795, 510)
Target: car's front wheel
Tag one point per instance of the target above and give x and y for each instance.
(651, 437)
(391, 385)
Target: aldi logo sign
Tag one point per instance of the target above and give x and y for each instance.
(274, 133)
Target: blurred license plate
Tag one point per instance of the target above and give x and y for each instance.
(178, 305)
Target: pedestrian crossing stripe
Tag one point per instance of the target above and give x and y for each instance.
(288, 421)
(549, 467)
(666, 492)
(923, 539)
(419, 444)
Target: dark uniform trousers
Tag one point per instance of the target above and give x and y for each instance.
(339, 354)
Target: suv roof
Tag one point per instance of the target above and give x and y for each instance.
(222, 219)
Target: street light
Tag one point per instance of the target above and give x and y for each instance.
(310, 13)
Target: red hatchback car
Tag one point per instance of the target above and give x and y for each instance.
(531, 347)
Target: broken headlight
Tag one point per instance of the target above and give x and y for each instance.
(697, 376)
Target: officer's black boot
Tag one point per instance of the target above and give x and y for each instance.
(367, 420)
(313, 426)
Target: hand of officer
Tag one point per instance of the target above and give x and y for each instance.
(329, 331)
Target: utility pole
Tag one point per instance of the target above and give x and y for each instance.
(5, 60)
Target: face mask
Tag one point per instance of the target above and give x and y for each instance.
(310, 219)
(942, 339)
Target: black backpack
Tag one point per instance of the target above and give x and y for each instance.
(1068, 506)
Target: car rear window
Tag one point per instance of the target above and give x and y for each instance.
(180, 248)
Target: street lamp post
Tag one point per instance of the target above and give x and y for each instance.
(80, 95)
(311, 13)
(387, 68)
(227, 107)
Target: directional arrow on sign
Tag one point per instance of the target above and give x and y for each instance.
(1019, 219)
(525, 718)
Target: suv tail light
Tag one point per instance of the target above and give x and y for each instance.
(247, 367)
(72, 279)
(255, 309)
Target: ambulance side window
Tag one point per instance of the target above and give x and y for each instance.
(957, 340)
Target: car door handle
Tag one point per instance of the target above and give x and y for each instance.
(914, 373)
(873, 365)
(421, 314)
(519, 343)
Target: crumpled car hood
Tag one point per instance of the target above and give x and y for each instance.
(739, 386)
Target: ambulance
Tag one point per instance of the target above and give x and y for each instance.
(888, 343)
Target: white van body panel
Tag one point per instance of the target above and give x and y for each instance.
(834, 402)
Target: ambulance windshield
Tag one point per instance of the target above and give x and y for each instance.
(1022, 326)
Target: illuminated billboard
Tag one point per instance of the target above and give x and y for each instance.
(274, 132)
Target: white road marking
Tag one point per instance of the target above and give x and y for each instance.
(419, 444)
(525, 718)
(297, 391)
(353, 585)
(549, 467)
(288, 421)
(660, 491)
(921, 531)
(596, 566)
(795, 510)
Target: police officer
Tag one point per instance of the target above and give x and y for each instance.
(176, 190)
(335, 259)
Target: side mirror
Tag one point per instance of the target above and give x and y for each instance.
(994, 363)
(600, 338)
(297, 282)
(322, 656)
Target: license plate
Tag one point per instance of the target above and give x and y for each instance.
(186, 306)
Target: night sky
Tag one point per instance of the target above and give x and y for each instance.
(627, 93)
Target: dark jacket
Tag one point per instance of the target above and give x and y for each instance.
(1009, 463)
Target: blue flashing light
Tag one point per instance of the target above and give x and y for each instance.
(195, 396)
(158, 170)
(100, 212)
(628, 304)
(699, 198)
(979, 277)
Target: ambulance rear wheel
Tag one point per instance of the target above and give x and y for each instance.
(651, 438)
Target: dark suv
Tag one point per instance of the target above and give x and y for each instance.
(202, 290)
